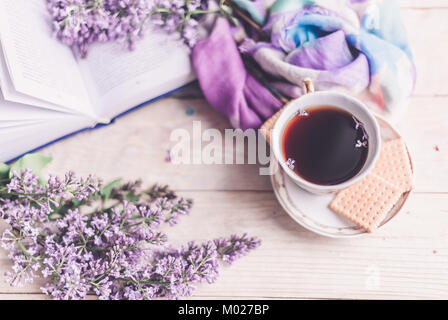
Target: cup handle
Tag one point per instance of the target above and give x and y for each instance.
(307, 86)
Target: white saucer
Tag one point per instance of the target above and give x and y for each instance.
(312, 212)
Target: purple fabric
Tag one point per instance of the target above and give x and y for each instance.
(327, 53)
(226, 84)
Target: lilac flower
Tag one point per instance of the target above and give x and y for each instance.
(358, 123)
(84, 239)
(361, 144)
(291, 163)
(364, 139)
(302, 113)
(79, 23)
(235, 247)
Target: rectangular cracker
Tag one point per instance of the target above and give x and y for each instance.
(394, 166)
(267, 127)
(367, 202)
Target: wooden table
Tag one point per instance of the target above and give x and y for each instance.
(408, 258)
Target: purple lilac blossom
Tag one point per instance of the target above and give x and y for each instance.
(79, 23)
(83, 240)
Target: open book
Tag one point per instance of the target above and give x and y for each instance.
(48, 93)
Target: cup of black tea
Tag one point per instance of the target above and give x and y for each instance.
(326, 141)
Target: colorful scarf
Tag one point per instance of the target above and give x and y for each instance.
(356, 46)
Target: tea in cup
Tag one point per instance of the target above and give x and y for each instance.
(326, 141)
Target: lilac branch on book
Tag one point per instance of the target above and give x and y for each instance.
(79, 23)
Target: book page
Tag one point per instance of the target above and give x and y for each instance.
(39, 65)
(21, 123)
(16, 112)
(119, 79)
(10, 94)
(17, 140)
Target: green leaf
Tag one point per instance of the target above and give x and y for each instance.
(4, 170)
(34, 161)
(106, 191)
(131, 197)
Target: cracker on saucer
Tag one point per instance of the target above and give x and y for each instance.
(393, 165)
(367, 202)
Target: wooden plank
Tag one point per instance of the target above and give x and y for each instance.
(419, 4)
(426, 31)
(408, 258)
(425, 130)
(23, 296)
(137, 144)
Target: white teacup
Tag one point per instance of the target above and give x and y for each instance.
(338, 100)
